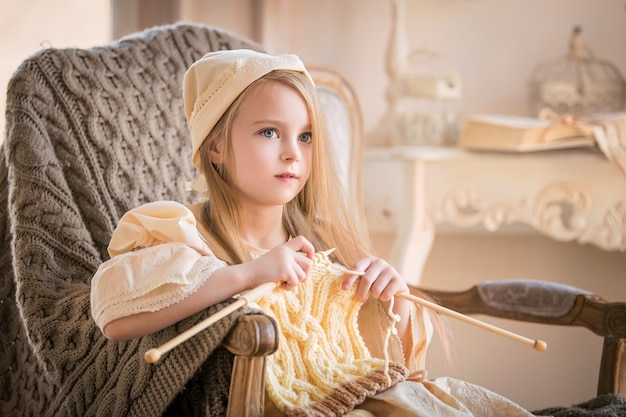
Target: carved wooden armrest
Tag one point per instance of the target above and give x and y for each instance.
(539, 302)
(550, 303)
(251, 340)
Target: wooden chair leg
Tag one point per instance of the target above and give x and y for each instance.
(251, 340)
(611, 375)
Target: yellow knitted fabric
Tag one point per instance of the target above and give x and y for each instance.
(322, 366)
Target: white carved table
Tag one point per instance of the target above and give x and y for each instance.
(415, 192)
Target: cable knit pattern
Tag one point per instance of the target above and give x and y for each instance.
(322, 366)
(91, 134)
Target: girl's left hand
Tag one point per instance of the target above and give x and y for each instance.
(380, 280)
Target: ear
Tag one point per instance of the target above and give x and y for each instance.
(216, 156)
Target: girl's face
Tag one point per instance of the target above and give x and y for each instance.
(271, 144)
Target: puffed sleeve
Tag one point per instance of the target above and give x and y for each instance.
(154, 223)
(157, 259)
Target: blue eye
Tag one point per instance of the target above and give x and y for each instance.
(269, 133)
(306, 137)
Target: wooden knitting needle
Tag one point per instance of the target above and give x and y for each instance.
(153, 355)
(538, 345)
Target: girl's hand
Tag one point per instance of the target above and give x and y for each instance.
(380, 280)
(289, 263)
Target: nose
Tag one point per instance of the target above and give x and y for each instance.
(291, 149)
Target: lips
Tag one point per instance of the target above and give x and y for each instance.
(287, 175)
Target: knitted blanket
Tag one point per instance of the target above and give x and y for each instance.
(605, 405)
(91, 134)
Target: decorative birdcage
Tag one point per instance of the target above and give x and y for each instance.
(427, 101)
(577, 83)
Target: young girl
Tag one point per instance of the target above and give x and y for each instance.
(273, 199)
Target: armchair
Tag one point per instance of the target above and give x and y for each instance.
(90, 134)
(94, 132)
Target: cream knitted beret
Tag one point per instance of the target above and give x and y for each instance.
(213, 82)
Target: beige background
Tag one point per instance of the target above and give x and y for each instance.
(494, 44)
(29, 25)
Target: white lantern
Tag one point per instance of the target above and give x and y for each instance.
(577, 83)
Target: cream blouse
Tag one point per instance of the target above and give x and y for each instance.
(175, 260)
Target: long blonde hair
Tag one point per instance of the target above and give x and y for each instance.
(319, 212)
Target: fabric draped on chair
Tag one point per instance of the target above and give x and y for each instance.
(90, 134)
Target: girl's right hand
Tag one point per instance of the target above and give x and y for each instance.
(289, 263)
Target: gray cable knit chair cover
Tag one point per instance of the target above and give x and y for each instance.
(91, 134)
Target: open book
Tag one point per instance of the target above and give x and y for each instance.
(522, 134)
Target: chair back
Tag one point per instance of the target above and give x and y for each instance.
(342, 111)
(90, 133)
